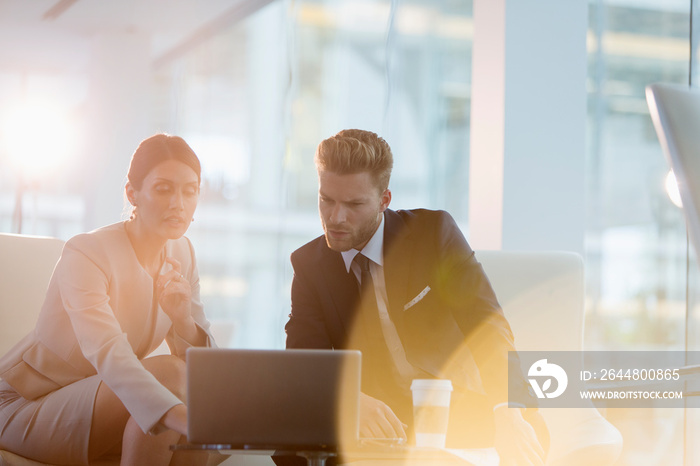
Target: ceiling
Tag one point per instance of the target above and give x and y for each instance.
(56, 35)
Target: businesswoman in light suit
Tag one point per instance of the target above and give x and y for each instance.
(81, 386)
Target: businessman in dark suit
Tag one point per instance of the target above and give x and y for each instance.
(405, 288)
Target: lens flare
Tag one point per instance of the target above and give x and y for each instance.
(672, 190)
(37, 138)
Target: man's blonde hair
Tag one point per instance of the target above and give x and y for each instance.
(355, 151)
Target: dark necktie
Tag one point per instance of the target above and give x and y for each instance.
(380, 377)
(368, 317)
(365, 275)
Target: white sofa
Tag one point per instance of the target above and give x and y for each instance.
(542, 294)
(26, 264)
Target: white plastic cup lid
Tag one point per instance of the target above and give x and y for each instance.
(431, 384)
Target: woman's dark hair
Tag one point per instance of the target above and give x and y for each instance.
(159, 148)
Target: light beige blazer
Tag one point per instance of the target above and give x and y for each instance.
(100, 317)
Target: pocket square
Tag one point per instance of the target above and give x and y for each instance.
(415, 300)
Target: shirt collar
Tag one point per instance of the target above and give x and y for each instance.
(372, 250)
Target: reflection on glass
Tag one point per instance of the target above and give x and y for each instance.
(636, 237)
(636, 244)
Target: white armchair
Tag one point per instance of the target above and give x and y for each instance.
(26, 265)
(542, 295)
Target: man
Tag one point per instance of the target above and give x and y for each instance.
(423, 307)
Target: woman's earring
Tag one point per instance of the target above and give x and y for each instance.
(133, 213)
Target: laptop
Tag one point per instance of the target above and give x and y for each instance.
(273, 399)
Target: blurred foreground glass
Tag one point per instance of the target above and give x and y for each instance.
(636, 244)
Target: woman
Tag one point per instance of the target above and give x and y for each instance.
(81, 386)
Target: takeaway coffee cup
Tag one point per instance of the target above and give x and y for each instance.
(431, 410)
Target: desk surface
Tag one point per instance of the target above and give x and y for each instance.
(423, 457)
(385, 456)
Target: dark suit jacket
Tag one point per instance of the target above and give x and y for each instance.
(456, 330)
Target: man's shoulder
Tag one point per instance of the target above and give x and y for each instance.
(429, 228)
(421, 214)
(313, 250)
(420, 219)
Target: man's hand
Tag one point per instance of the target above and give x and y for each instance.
(377, 420)
(516, 441)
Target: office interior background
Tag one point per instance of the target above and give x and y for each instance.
(254, 85)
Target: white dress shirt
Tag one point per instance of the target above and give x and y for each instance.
(373, 250)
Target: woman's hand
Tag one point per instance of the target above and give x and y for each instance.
(176, 419)
(175, 298)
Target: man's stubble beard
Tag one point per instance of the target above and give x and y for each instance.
(355, 240)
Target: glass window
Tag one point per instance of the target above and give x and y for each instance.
(636, 243)
(256, 100)
(254, 97)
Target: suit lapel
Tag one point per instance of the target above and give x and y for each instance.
(399, 246)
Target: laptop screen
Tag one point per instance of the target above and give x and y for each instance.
(273, 399)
